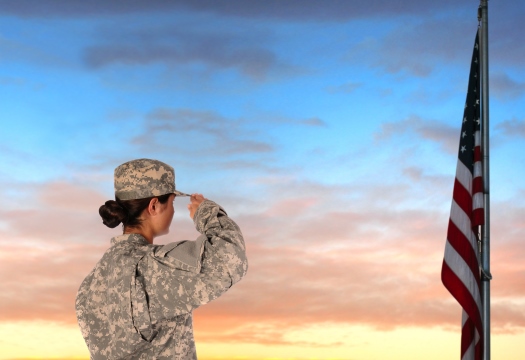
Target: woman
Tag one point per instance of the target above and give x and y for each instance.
(137, 302)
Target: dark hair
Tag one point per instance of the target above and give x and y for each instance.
(127, 212)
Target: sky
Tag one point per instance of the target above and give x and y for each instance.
(327, 130)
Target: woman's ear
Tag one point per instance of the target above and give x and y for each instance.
(153, 207)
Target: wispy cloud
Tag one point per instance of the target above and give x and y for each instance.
(512, 127)
(315, 121)
(415, 47)
(214, 50)
(432, 130)
(505, 88)
(344, 88)
(202, 132)
(305, 10)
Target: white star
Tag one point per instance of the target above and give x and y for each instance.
(465, 119)
(465, 105)
(477, 101)
(463, 148)
(464, 134)
(477, 120)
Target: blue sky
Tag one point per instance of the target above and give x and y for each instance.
(319, 126)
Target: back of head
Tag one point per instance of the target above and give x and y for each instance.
(136, 183)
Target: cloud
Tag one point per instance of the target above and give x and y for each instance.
(315, 121)
(212, 49)
(504, 88)
(344, 88)
(18, 52)
(73, 208)
(512, 128)
(303, 10)
(315, 257)
(446, 136)
(415, 46)
(202, 133)
(506, 27)
(216, 141)
(41, 279)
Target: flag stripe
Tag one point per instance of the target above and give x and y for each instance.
(477, 201)
(478, 216)
(477, 169)
(462, 198)
(464, 176)
(477, 185)
(464, 280)
(467, 339)
(457, 241)
(462, 222)
(455, 286)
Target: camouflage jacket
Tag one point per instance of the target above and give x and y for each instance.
(137, 302)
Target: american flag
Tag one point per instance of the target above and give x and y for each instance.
(461, 272)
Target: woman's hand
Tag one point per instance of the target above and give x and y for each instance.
(195, 201)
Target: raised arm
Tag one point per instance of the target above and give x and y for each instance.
(188, 274)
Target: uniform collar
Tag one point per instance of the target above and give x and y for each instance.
(135, 238)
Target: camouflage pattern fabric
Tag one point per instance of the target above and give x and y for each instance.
(143, 178)
(137, 302)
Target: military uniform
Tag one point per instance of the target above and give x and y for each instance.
(137, 302)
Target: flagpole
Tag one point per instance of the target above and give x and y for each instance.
(485, 229)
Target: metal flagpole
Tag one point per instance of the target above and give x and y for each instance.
(485, 229)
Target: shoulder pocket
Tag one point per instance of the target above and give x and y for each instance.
(184, 255)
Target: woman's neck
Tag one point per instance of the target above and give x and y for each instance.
(146, 233)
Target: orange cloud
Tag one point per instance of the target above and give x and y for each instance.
(313, 259)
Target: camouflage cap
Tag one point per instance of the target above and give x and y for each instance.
(143, 178)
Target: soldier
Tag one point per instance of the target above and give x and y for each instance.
(137, 302)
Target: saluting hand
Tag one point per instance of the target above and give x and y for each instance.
(195, 201)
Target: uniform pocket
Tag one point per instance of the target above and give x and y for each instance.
(140, 308)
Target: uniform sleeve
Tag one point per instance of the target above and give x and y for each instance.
(188, 274)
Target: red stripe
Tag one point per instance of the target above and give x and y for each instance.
(468, 335)
(477, 185)
(477, 153)
(479, 349)
(462, 197)
(478, 217)
(462, 246)
(458, 290)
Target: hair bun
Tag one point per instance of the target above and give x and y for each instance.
(112, 213)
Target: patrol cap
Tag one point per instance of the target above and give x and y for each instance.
(143, 178)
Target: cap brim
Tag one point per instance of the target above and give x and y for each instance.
(178, 193)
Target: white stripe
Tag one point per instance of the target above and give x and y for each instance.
(477, 169)
(477, 138)
(471, 350)
(462, 222)
(464, 176)
(459, 267)
(477, 201)
(464, 318)
(470, 353)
